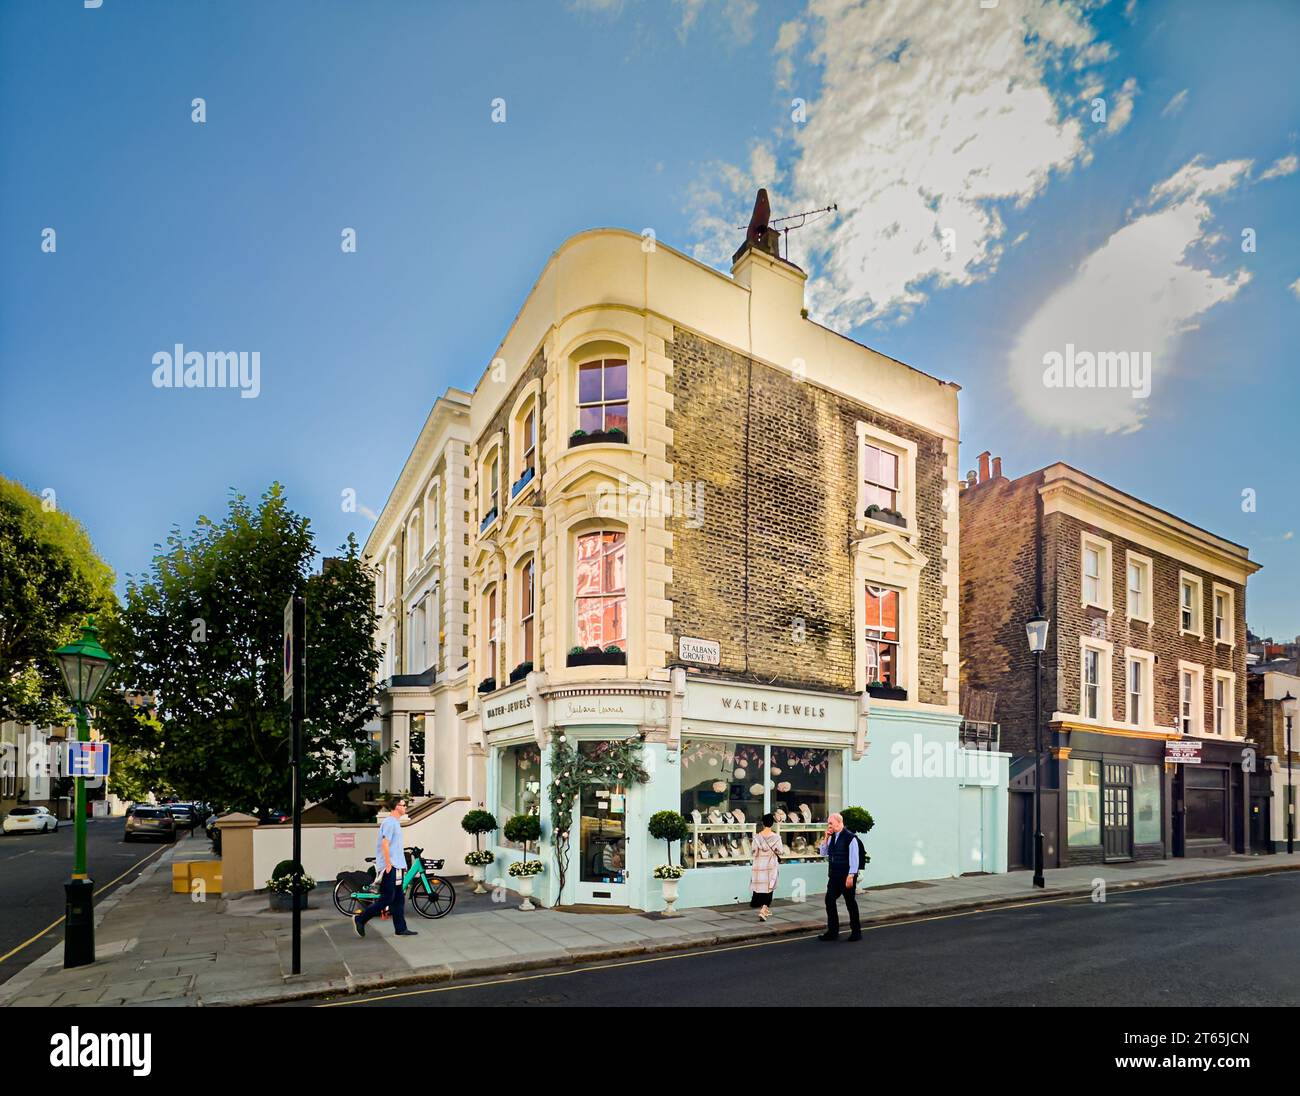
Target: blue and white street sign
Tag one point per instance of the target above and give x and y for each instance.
(88, 759)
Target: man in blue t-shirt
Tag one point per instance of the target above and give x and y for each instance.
(390, 863)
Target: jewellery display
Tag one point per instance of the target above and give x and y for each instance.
(800, 839)
(720, 842)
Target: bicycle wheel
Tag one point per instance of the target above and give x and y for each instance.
(343, 900)
(436, 901)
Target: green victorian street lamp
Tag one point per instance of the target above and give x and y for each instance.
(1036, 632)
(86, 668)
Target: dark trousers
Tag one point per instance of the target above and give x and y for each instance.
(835, 888)
(392, 898)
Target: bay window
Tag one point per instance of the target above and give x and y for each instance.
(602, 396)
(600, 590)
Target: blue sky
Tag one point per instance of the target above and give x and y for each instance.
(323, 115)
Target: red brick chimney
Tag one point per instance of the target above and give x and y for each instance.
(997, 467)
(984, 466)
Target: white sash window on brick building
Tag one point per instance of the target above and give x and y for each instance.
(882, 635)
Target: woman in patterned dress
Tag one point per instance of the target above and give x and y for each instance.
(767, 866)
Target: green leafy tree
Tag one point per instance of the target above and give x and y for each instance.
(50, 579)
(668, 826)
(203, 632)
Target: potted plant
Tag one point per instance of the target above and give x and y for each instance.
(488, 519)
(669, 826)
(858, 820)
(280, 885)
(521, 671)
(477, 823)
(524, 829)
(883, 513)
(487, 685)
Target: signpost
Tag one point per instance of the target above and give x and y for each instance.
(86, 759)
(295, 691)
(707, 652)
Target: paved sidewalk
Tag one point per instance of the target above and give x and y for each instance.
(159, 948)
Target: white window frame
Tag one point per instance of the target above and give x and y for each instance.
(1186, 578)
(900, 643)
(390, 574)
(430, 524)
(1145, 717)
(1147, 569)
(491, 632)
(417, 654)
(1105, 708)
(1105, 578)
(1229, 637)
(530, 399)
(411, 543)
(1197, 701)
(905, 450)
(1229, 681)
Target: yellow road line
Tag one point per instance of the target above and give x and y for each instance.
(693, 954)
(56, 924)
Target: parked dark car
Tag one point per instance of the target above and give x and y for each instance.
(144, 823)
(185, 814)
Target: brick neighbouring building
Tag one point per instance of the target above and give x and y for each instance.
(1273, 784)
(1147, 611)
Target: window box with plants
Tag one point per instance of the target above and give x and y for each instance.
(520, 672)
(280, 886)
(889, 517)
(611, 655)
(878, 690)
(488, 519)
(590, 437)
(523, 481)
(487, 685)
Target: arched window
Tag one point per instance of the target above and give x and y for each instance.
(379, 586)
(390, 574)
(412, 547)
(430, 517)
(527, 610)
(600, 590)
(491, 616)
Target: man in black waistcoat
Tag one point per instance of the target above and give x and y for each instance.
(840, 847)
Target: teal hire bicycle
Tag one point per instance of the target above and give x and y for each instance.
(430, 893)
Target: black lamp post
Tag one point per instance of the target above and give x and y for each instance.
(86, 667)
(1036, 630)
(1288, 709)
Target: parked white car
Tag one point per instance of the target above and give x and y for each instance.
(30, 820)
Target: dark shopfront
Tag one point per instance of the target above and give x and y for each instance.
(1125, 799)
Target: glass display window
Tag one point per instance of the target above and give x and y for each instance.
(520, 789)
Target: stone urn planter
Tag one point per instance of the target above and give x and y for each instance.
(526, 891)
(283, 903)
(670, 896)
(478, 872)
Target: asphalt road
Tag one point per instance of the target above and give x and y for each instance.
(1220, 943)
(33, 869)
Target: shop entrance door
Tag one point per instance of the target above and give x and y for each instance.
(1117, 813)
(602, 845)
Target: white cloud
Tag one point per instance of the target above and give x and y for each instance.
(1122, 111)
(1285, 166)
(1175, 104)
(1138, 292)
(1295, 288)
(921, 127)
(739, 16)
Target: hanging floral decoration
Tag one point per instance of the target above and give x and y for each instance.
(614, 762)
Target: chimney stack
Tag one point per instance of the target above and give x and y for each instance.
(970, 478)
(997, 467)
(984, 466)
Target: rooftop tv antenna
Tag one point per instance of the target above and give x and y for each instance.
(801, 218)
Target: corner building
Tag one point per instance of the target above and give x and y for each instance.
(706, 524)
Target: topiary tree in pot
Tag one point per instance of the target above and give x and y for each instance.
(524, 829)
(476, 823)
(669, 826)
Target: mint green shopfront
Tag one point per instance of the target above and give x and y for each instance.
(724, 753)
